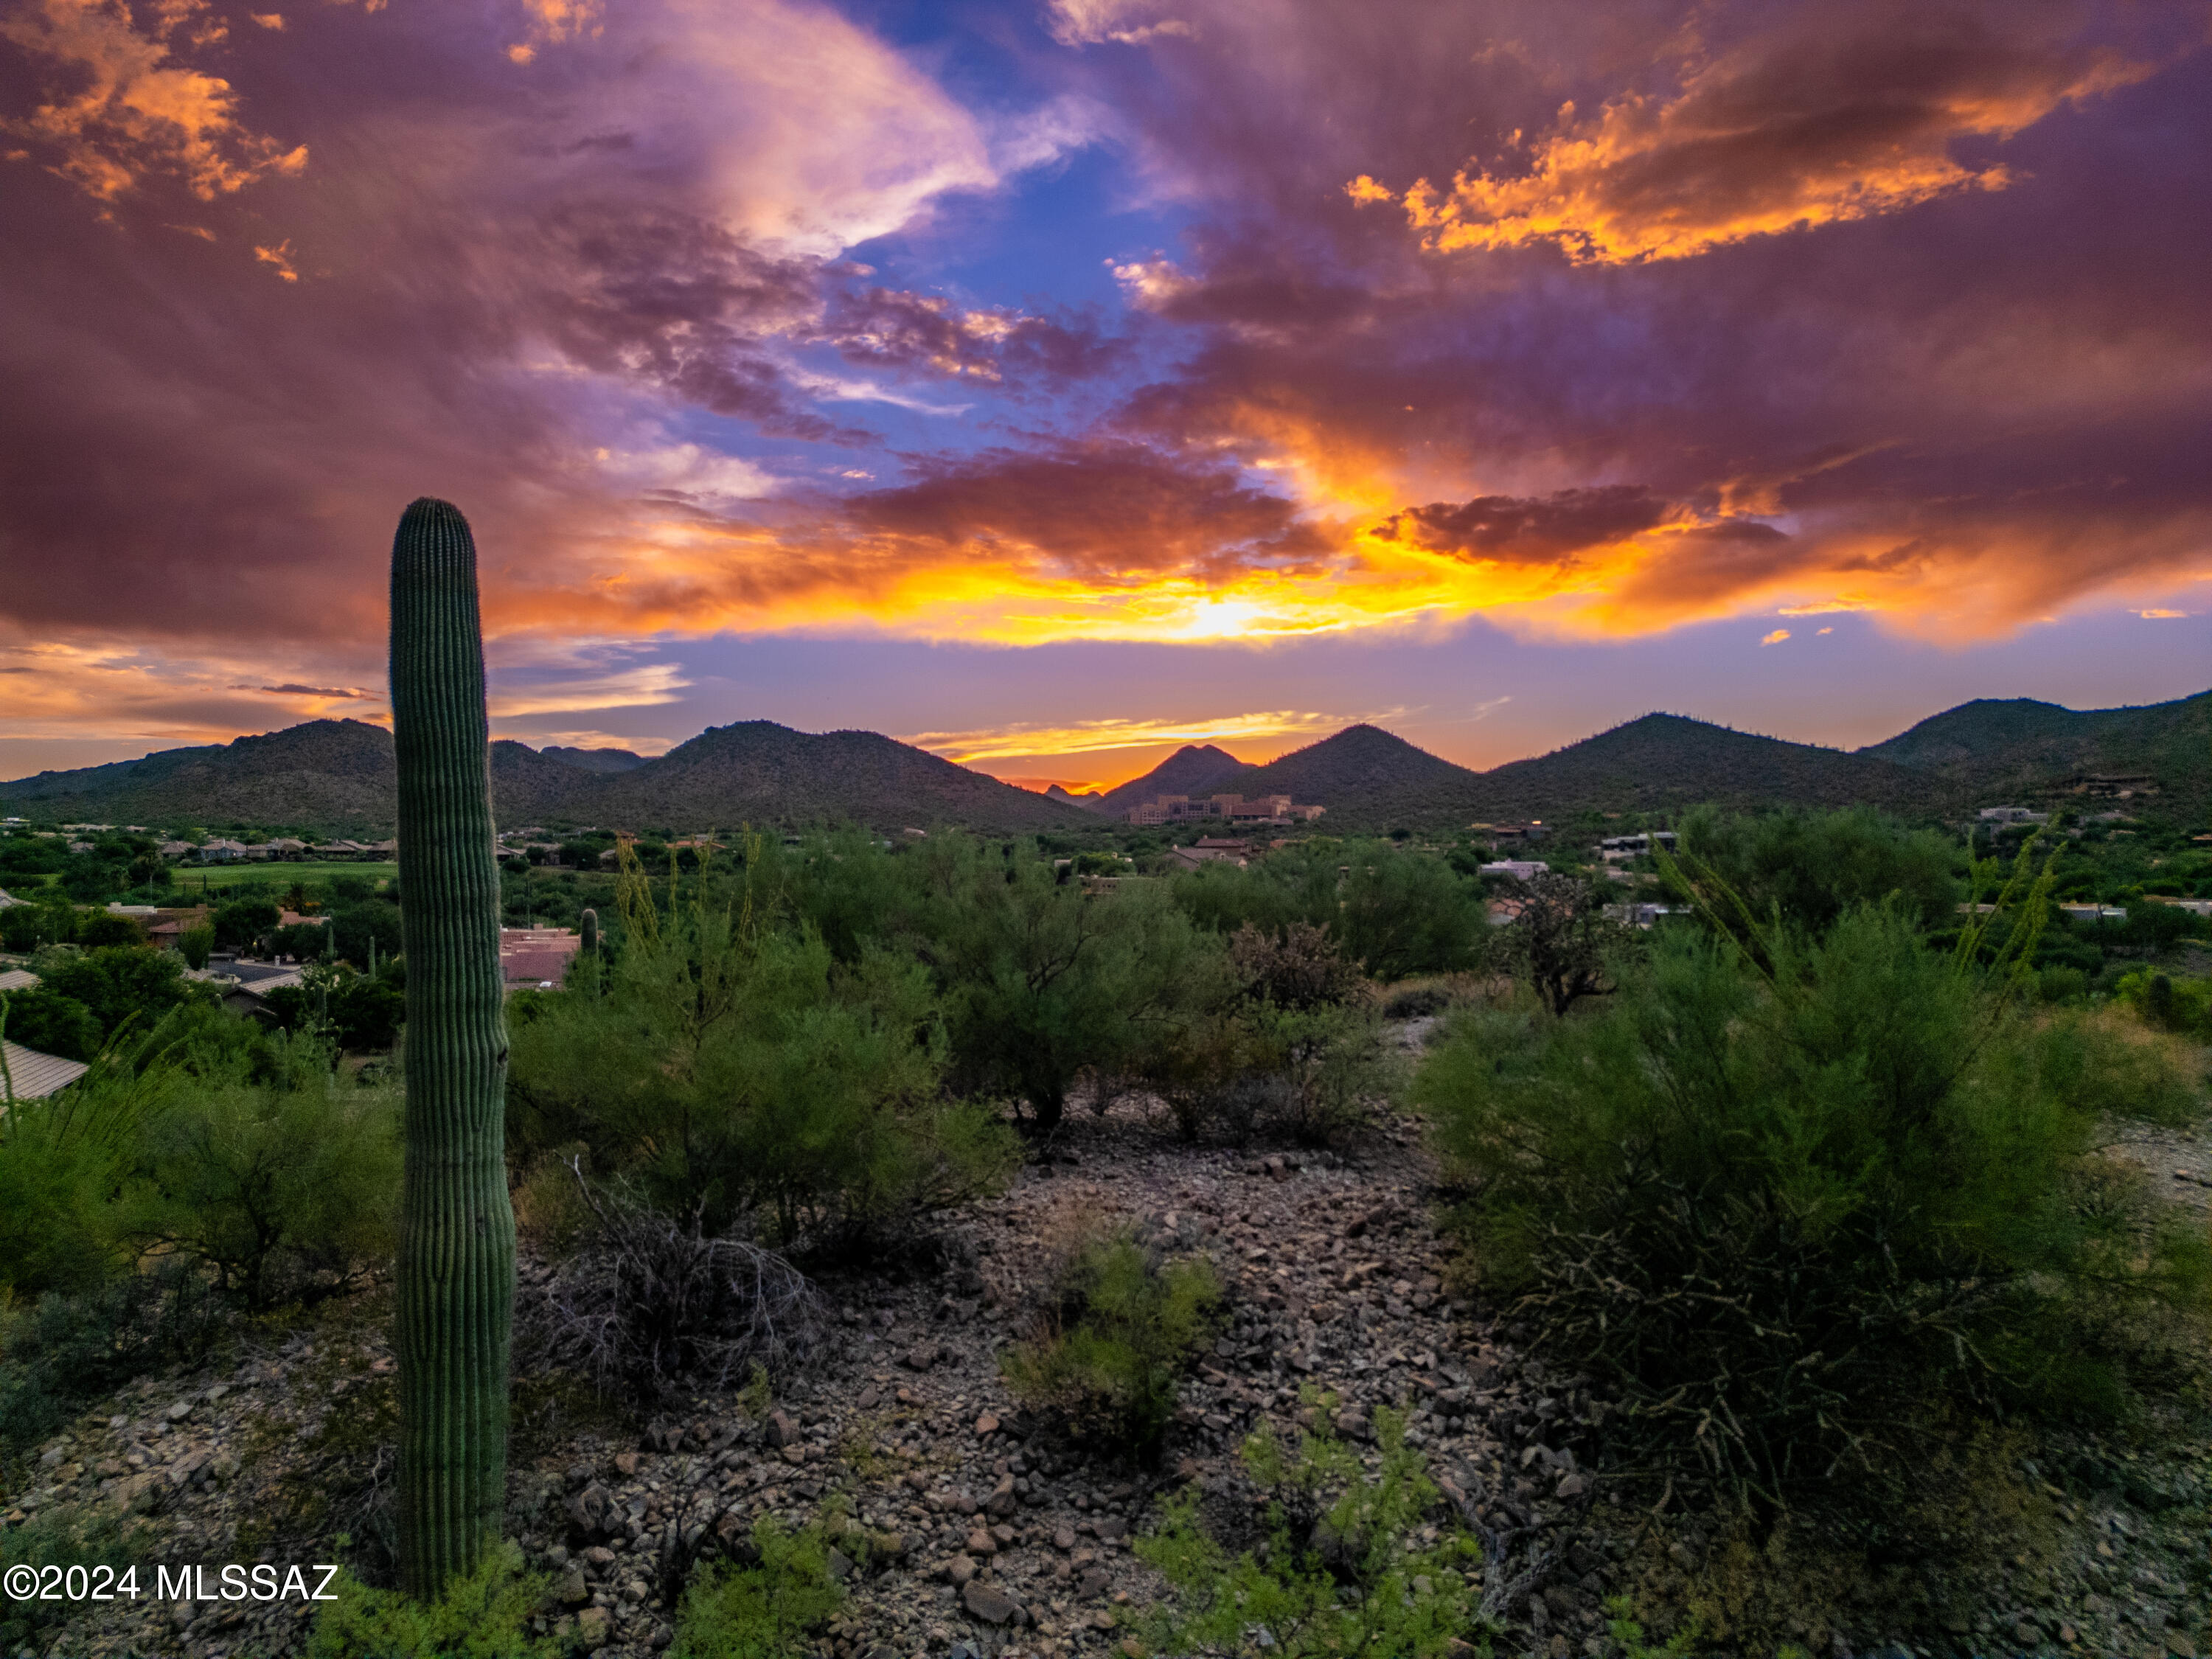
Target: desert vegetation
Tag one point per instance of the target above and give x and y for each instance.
(1814, 1215)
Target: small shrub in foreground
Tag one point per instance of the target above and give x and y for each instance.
(485, 1615)
(64, 1537)
(764, 1609)
(1343, 1568)
(1108, 1355)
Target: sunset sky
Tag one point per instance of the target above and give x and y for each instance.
(1052, 382)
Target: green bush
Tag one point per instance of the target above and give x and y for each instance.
(1785, 1213)
(1812, 866)
(41, 1018)
(281, 1190)
(64, 1537)
(2167, 1004)
(63, 1352)
(1345, 1567)
(762, 1609)
(1108, 1355)
(122, 984)
(2105, 1066)
(61, 1161)
(734, 1071)
(485, 1615)
(194, 945)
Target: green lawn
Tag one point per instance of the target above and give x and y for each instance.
(276, 876)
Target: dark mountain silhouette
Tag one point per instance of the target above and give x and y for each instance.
(757, 772)
(333, 773)
(594, 760)
(2018, 747)
(340, 777)
(1664, 761)
(1194, 769)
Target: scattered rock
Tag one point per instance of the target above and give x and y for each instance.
(989, 1603)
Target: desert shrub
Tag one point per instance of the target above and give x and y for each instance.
(485, 1615)
(738, 1075)
(643, 1303)
(1561, 942)
(1344, 1568)
(2167, 1004)
(43, 1018)
(99, 930)
(1408, 913)
(1785, 1213)
(195, 944)
(1281, 1034)
(241, 921)
(61, 1159)
(1109, 1354)
(281, 1190)
(63, 1537)
(1416, 1002)
(63, 1350)
(1812, 866)
(762, 1609)
(2059, 983)
(2106, 1066)
(1301, 966)
(123, 983)
(26, 927)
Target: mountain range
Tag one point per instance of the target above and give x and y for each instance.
(339, 776)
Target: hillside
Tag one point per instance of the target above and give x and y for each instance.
(594, 760)
(2018, 747)
(339, 776)
(758, 772)
(1194, 769)
(1663, 761)
(335, 775)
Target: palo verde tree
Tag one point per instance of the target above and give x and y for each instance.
(455, 1285)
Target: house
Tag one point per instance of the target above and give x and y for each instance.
(2194, 907)
(220, 851)
(243, 986)
(1616, 849)
(1514, 869)
(5, 901)
(1189, 857)
(1507, 834)
(169, 926)
(175, 850)
(17, 979)
(1263, 808)
(1996, 815)
(33, 1076)
(1636, 916)
(2093, 913)
(536, 957)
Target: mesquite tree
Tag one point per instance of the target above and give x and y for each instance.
(456, 1286)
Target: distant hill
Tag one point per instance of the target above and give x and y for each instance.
(1663, 762)
(758, 772)
(2018, 747)
(338, 774)
(340, 777)
(1194, 769)
(594, 760)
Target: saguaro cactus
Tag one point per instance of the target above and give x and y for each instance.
(588, 924)
(456, 1287)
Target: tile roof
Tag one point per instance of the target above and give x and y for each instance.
(33, 1076)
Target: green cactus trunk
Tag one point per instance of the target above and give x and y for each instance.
(588, 924)
(456, 1286)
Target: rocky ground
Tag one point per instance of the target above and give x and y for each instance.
(972, 1530)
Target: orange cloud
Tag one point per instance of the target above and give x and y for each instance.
(138, 111)
(1759, 142)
